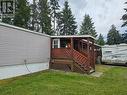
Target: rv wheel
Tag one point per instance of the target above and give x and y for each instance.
(126, 64)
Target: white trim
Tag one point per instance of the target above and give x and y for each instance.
(97, 45)
(113, 46)
(56, 40)
(85, 40)
(74, 36)
(58, 43)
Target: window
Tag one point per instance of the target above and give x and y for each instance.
(107, 52)
(56, 43)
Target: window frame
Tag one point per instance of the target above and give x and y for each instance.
(56, 44)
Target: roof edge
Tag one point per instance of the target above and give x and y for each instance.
(72, 36)
(23, 29)
(42, 34)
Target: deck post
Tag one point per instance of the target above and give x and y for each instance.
(93, 53)
(50, 63)
(79, 48)
(88, 50)
(72, 47)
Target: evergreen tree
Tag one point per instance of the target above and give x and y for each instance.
(87, 27)
(34, 20)
(66, 21)
(54, 4)
(100, 40)
(124, 37)
(22, 14)
(113, 36)
(59, 23)
(124, 17)
(7, 20)
(45, 18)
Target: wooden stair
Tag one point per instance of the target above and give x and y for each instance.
(76, 61)
(81, 61)
(62, 61)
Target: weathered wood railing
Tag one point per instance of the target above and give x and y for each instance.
(81, 59)
(77, 57)
(61, 53)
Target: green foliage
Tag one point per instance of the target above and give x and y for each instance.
(54, 4)
(22, 15)
(113, 36)
(112, 82)
(100, 40)
(45, 18)
(124, 17)
(87, 27)
(34, 17)
(7, 20)
(66, 21)
(124, 37)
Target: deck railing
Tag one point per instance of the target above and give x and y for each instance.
(81, 59)
(61, 53)
(76, 56)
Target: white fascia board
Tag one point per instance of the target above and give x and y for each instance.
(74, 36)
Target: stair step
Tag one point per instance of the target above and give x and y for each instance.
(62, 61)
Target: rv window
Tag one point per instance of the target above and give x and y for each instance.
(108, 51)
(56, 43)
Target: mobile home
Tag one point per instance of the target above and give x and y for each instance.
(23, 51)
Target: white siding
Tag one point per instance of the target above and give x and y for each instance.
(115, 53)
(18, 70)
(17, 45)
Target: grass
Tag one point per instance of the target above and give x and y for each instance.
(112, 82)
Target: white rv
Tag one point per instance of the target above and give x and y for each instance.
(115, 54)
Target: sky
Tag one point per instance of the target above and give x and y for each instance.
(104, 13)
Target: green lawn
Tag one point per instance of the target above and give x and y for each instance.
(112, 82)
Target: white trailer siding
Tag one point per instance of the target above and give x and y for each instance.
(115, 53)
(19, 46)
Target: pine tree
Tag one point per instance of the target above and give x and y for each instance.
(59, 23)
(66, 21)
(34, 20)
(87, 27)
(124, 17)
(100, 40)
(7, 20)
(124, 37)
(22, 14)
(113, 36)
(54, 4)
(45, 18)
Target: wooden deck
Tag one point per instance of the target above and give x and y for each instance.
(72, 58)
(79, 57)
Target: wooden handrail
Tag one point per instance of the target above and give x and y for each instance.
(77, 57)
(80, 59)
(61, 53)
